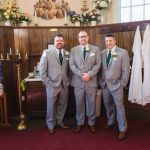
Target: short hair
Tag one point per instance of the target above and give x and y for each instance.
(83, 31)
(110, 35)
(59, 35)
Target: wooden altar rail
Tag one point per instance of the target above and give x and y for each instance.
(33, 40)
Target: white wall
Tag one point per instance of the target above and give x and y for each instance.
(112, 13)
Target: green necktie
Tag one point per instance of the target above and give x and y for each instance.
(108, 57)
(84, 52)
(60, 57)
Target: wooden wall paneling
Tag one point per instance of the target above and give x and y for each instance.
(24, 50)
(45, 40)
(73, 37)
(51, 33)
(102, 44)
(10, 76)
(35, 41)
(94, 37)
(1, 42)
(16, 41)
(131, 39)
(35, 46)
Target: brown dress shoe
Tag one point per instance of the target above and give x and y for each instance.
(62, 126)
(122, 135)
(108, 126)
(93, 129)
(51, 131)
(78, 129)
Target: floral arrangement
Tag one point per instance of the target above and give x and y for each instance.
(94, 15)
(25, 17)
(101, 4)
(5, 13)
(74, 17)
(85, 15)
(12, 13)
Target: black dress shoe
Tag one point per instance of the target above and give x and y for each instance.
(108, 126)
(78, 129)
(51, 131)
(93, 129)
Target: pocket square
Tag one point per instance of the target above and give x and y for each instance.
(92, 54)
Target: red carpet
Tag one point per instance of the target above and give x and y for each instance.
(65, 139)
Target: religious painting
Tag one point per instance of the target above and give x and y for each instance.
(49, 9)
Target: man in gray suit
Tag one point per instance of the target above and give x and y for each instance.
(114, 76)
(54, 66)
(85, 63)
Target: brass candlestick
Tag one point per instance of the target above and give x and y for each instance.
(21, 125)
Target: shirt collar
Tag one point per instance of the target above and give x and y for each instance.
(112, 50)
(62, 51)
(87, 47)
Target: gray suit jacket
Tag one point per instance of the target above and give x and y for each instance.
(51, 70)
(117, 72)
(90, 65)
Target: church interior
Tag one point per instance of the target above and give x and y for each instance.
(27, 28)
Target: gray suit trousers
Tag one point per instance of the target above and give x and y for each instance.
(85, 97)
(56, 104)
(113, 101)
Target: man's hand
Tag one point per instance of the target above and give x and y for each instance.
(85, 77)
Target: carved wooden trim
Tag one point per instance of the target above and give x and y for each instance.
(123, 27)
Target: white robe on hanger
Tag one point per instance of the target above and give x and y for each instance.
(135, 88)
(146, 58)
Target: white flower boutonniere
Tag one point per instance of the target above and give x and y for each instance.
(87, 49)
(67, 55)
(115, 55)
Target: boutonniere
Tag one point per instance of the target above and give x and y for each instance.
(67, 54)
(115, 55)
(87, 49)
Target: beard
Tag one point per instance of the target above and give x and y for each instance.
(59, 46)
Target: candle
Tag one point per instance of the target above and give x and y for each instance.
(7, 58)
(17, 51)
(2, 58)
(65, 17)
(26, 56)
(10, 52)
(19, 57)
(35, 17)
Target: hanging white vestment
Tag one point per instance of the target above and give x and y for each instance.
(146, 58)
(135, 87)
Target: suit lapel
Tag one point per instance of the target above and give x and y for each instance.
(56, 55)
(105, 58)
(111, 60)
(88, 53)
(65, 57)
(81, 52)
